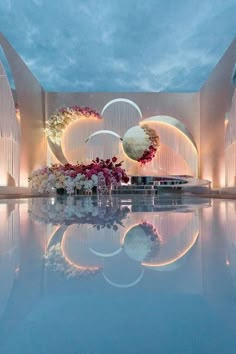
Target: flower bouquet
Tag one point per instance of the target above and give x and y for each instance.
(100, 174)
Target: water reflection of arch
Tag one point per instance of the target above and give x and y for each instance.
(230, 260)
(60, 237)
(178, 233)
(9, 247)
(178, 150)
(84, 248)
(80, 249)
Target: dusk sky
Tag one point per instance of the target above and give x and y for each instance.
(120, 45)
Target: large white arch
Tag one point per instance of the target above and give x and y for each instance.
(122, 100)
(120, 114)
(178, 154)
(174, 123)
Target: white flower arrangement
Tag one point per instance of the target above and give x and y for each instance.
(71, 178)
(58, 121)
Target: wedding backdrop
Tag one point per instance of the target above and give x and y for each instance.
(151, 134)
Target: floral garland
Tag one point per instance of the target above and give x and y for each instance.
(152, 234)
(149, 230)
(100, 173)
(149, 153)
(58, 122)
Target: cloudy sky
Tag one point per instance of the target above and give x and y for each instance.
(120, 45)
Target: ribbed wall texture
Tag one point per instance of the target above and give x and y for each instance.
(231, 239)
(30, 97)
(9, 135)
(230, 146)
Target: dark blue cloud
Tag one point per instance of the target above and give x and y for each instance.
(119, 45)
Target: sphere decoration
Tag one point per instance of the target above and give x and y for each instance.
(141, 242)
(141, 143)
(57, 123)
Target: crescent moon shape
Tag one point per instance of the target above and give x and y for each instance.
(175, 259)
(56, 235)
(117, 285)
(123, 100)
(103, 132)
(174, 123)
(105, 255)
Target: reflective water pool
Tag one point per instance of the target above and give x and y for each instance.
(131, 275)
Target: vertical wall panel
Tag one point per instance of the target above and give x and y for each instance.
(215, 101)
(30, 96)
(9, 135)
(230, 146)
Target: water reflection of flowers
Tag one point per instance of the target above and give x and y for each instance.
(142, 242)
(56, 262)
(86, 211)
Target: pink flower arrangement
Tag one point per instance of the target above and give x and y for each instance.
(80, 111)
(149, 229)
(151, 234)
(99, 173)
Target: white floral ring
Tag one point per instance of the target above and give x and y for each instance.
(59, 121)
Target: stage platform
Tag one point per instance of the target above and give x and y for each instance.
(155, 185)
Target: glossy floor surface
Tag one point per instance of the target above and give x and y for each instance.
(118, 275)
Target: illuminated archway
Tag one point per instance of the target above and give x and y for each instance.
(178, 153)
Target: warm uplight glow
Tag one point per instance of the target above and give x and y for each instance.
(3, 179)
(179, 256)
(177, 153)
(122, 241)
(51, 158)
(78, 266)
(52, 234)
(74, 137)
(18, 117)
(24, 178)
(167, 124)
(227, 262)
